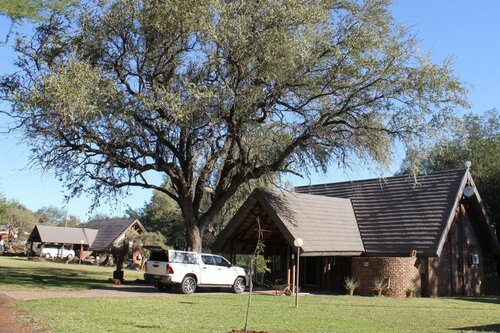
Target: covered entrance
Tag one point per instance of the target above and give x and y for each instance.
(326, 225)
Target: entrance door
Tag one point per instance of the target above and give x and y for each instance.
(311, 271)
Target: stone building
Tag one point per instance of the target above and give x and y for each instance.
(430, 231)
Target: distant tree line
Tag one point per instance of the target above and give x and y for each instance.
(477, 141)
(16, 215)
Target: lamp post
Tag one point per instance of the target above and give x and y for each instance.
(298, 242)
(80, 254)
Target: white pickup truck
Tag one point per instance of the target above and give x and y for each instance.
(167, 268)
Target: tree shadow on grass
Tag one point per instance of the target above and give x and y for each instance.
(482, 299)
(482, 328)
(49, 278)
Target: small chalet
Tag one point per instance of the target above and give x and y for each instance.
(98, 236)
(75, 238)
(431, 231)
(112, 231)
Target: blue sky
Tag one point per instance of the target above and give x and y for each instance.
(467, 31)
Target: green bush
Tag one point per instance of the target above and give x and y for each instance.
(379, 285)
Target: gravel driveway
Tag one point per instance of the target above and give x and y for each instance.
(112, 291)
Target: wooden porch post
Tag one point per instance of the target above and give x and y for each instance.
(41, 249)
(288, 265)
(233, 255)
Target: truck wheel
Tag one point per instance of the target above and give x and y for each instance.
(239, 285)
(188, 285)
(47, 255)
(164, 287)
(69, 256)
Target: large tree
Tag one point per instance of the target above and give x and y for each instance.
(478, 141)
(215, 93)
(18, 11)
(33, 10)
(162, 214)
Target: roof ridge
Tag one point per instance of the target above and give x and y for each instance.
(409, 176)
(296, 194)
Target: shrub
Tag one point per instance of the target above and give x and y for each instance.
(411, 290)
(379, 285)
(350, 284)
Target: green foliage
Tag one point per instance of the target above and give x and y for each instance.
(478, 141)
(411, 289)
(260, 264)
(350, 283)
(16, 215)
(57, 216)
(379, 284)
(51, 215)
(162, 214)
(34, 10)
(214, 94)
(146, 238)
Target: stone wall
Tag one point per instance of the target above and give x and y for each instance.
(399, 272)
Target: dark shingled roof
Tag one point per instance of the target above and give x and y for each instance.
(399, 214)
(327, 225)
(62, 235)
(110, 230)
(392, 216)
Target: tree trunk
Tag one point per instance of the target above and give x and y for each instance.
(194, 237)
(121, 255)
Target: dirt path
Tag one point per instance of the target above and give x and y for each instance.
(9, 314)
(9, 322)
(114, 291)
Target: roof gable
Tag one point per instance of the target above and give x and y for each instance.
(327, 225)
(110, 230)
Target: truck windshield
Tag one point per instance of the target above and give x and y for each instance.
(219, 261)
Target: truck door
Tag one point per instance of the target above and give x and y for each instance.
(209, 271)
(225, 271)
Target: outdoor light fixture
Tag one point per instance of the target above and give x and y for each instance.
(80, 254)
(298, 242)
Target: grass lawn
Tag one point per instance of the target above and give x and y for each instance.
(18, 273)
(221, 313)
(224, 312)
